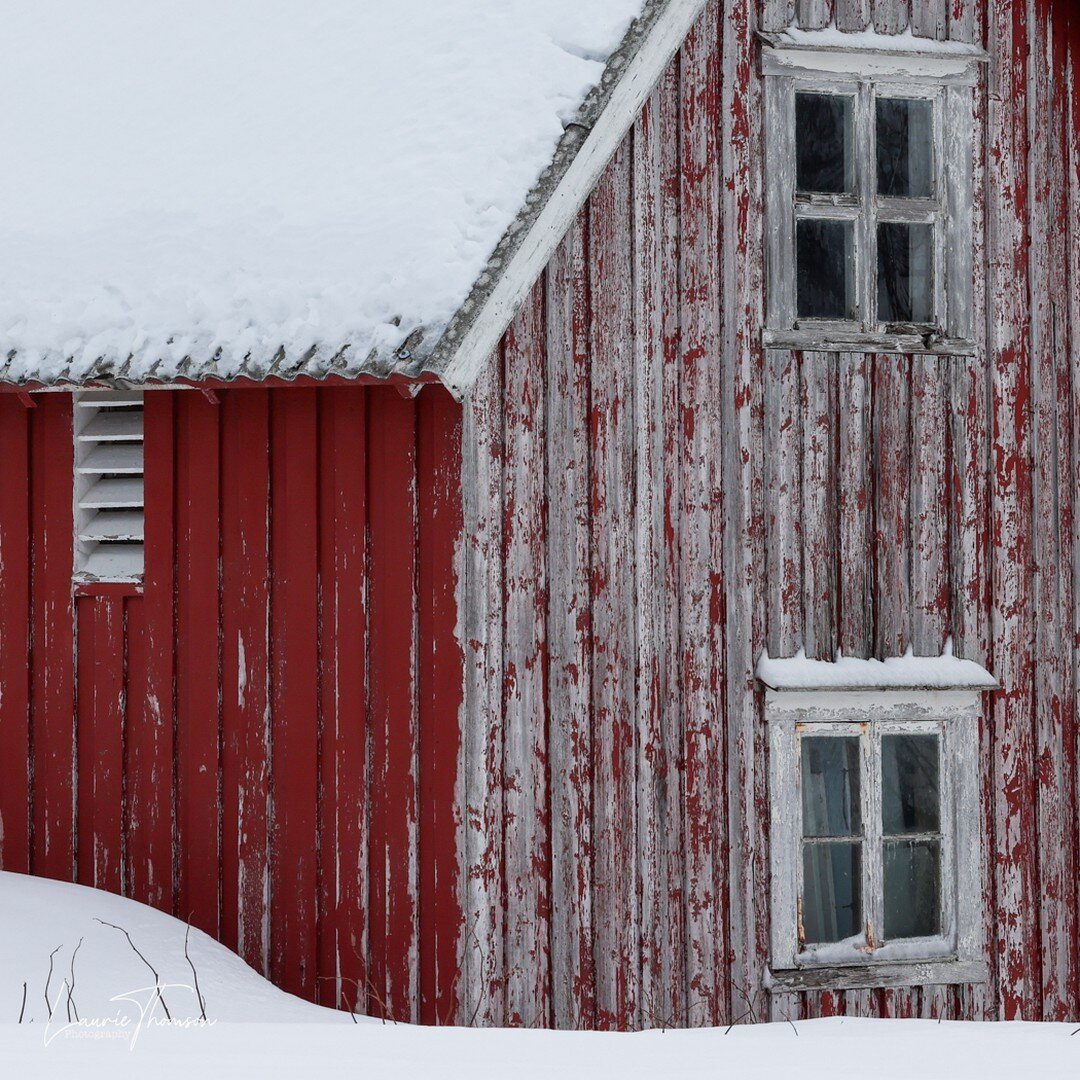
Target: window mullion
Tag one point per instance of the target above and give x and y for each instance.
(947, 809)
(872, 871)
(941, 312)
(866, 246)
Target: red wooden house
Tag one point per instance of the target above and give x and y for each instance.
(685, 630)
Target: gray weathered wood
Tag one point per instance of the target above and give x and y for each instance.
(615, 888)
(783, 505)
(525, 750)
(814, 14)
(569, 616)
(853, 14)
(820, 543)
(891, 16)
(854, 483)
(777, 14)
(930, 18)
(483, 962)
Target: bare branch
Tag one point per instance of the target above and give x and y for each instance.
(71, 985)
(22, 1011)
(194, 973)
(157, 978)
(48, 1004)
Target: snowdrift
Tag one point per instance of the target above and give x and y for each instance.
(96, 962)
(287, 1037)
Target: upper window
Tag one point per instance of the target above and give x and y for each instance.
(868, 185)
(109, 516)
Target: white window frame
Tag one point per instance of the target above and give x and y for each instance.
(949, 80)
(955, 956)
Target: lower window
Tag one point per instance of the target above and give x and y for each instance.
(875, 837)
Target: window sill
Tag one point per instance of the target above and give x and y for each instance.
(858, 342)
(869, 976)
(108, 589)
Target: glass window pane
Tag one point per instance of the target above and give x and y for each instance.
(909, 784)
(823, 144)
(825, 269)
(830, 786)
(912, 888)
(905, 273)
(832, 892)
(905, 148)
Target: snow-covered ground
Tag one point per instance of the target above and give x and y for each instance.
(255, 1030)
(40, 917)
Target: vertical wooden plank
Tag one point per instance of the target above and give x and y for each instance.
(930, 18)
(1052, 522)
(971, 543)
(198, 667)
(52, 666)
(392, 523)
(617, 954)
(1072, 398)
(15, 806)
(962, 21)
(151, 669)
(525, 806)
(777, 14)
(814, 14)
(1011, 567)
(482, 753)
(294, 689)
(344, 794)
(135, 693)
(930, 453)
(569, 627)
(891, 16)
(853, 15)
(855, 487)
(100, 672)
(659, 809)
(740, 605)
(783, 480)
(245, 638)
(700, 573)
(892, 562)
(440, 692)
(970, 591)
(818, 394)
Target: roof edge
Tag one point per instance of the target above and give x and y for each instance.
(587, 145)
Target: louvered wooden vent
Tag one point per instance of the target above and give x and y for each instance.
(109, 517)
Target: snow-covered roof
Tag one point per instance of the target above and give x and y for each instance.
(264, 188)
(907, 672)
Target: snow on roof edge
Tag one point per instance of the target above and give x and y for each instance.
(907, 672)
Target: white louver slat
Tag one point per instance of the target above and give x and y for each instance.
(109, 513)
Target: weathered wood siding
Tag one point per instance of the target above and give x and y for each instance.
(263, 739)
(651, 500)
(451, 713)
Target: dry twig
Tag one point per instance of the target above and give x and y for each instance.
(48, 1004)
(194, 973)
(157, 978)
(71, 985)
